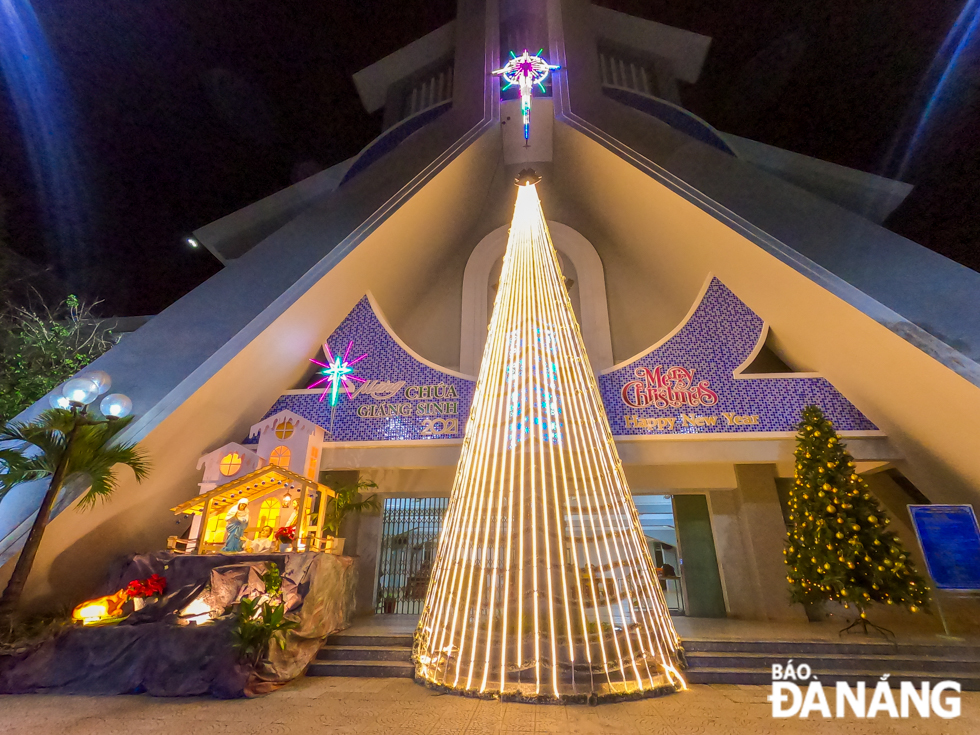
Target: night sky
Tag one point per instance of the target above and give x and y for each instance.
(182, 111)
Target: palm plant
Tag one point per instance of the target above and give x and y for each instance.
(62, 445)
(348, 502)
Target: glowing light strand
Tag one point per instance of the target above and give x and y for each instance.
(543, 586)
(526, 72)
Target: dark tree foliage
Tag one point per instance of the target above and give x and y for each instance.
(42, 347)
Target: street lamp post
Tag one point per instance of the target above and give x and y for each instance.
(75, 397)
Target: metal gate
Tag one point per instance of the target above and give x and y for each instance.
(409, 538)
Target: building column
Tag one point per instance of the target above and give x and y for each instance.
(367, 547)
(742, 597)
(764, 532)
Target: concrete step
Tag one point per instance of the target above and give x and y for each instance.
(374, 668)
(343, 652)
(799, 648)
(968, 682)
(832, 661)
(360, 639)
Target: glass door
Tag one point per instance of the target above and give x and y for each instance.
(657, 521)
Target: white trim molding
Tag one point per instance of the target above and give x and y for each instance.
(593, 306)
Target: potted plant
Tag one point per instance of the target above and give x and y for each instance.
(262, 621)
(258, 625)
(390, 600)
(286, 536)
(346, 503)
(146, 591)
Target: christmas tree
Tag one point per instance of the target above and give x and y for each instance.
(839, 547)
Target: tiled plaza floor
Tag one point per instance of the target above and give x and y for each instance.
(398, 706)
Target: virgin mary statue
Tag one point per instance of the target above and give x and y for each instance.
(235, 524)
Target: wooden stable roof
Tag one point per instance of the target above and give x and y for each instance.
(248, 487)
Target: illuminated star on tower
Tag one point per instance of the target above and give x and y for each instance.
(526, 71)
(336, 372)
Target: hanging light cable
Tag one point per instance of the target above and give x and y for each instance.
(543, 587)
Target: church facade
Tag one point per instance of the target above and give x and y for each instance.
(719, 291)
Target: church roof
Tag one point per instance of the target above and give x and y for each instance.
(248, 487)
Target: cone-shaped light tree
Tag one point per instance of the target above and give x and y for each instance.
(543, 586)
(839, 547)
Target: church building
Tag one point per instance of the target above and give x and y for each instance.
(721, 286)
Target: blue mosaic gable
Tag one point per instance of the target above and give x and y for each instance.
(410, 399)
(687, 385)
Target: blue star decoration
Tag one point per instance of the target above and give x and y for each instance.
(337, 372)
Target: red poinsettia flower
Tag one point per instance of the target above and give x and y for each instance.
(286, 534)
(150, 587)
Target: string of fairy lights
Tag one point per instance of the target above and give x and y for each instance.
(543, 585)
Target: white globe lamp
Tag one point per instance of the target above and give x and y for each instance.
(57, 400)
(100, 378)
(116, 406)
(80, 391)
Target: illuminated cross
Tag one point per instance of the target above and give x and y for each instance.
(526, 71)
(337, 372)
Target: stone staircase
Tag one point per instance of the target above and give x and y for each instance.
(389, 655)
(750, 662)
(365, 654)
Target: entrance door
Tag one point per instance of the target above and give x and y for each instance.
(409, 538)
(705, 598)
(657, 522)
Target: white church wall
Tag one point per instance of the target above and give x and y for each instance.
(671, 244)
(429, 321)
(388, 262)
